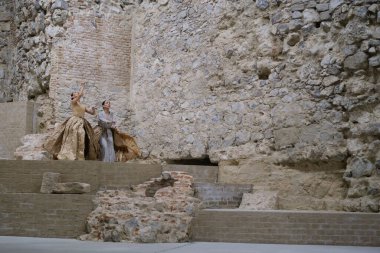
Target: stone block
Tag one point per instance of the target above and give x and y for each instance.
(311, 16)
(297, 7)
(297, 15)
(325, 16)
(262, 4)
(322, 7)
(286, 136)
(5, 26)
(311, 4)
(293, 39)
(5, 16)
(356, 61)
(374, 61)
(330, 80)
(71, 188)
(260, 200)
(335, 4)
(60, 4)
(359, 167)
(49, 180)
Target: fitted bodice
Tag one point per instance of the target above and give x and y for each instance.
(78, 109)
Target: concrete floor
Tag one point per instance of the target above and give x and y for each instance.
(11, 244)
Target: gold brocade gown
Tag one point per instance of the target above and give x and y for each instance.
(74, 138)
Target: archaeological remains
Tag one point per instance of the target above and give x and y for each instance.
(280, 94)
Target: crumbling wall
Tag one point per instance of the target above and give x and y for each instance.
(293, 80)
(234, 78)
(6, 49)
(297, 81)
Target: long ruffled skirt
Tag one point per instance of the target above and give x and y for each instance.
(124, 145)
(73, 140)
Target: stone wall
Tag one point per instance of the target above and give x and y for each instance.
(59, 44)
(99, 175)
(226, 79)
(308, 186)
(44, 215)
(24, 211)
(293, 80)
(6, 49)
(287, 227)
(97, 50)
(17, 121)
(231, 79)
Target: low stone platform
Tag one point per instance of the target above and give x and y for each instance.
(200, 173)
(24, 211)
(215, 195)
(287, 227)
(22, 176)
(44, 215)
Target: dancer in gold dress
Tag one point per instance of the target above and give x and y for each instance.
(74, 139)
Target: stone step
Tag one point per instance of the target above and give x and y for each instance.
(44, 215)
(22, 176)
(287, 227)
(200, 173)
(218, 195)
(24, 211)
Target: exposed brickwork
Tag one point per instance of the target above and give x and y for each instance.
(26, 212)
(19, 121)
(204, 174)
(98, 52)
(28, 174)
(289, 227)
(44, 215)
(221, 195)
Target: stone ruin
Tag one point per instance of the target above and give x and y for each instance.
(159, 210)
(282, 94)
(51, 183)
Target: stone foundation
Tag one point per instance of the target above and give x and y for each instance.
(136, 216)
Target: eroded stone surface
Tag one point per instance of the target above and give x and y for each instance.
(259, 200)
(229, 80)
(49, 180)
(129, 215)
(71, 188)
(32, 148)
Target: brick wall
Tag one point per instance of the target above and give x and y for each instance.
(44, 215)
(17, 121)
(289, 227)
(26, 212)
(96, 50)
(28, 174)
(221, 195)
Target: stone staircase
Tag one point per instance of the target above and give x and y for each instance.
(24, 211)
(207, 188)
(222, 221)
(216, 195)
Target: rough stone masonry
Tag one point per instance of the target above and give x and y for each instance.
(284, 89)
